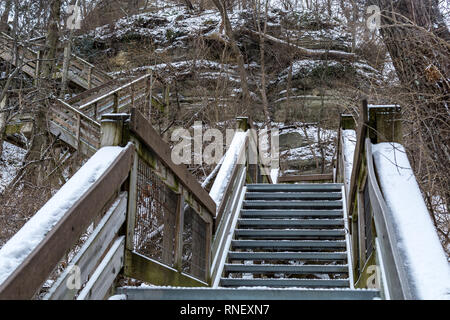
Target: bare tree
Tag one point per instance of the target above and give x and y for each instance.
(221, 6)
(417, 41)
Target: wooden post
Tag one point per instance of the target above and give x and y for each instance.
(38, 67)
(242, 123)
(114, 133)
(385, 124)
(89, 77)
(208, 240)
(132, 203)
(78, 132)
(148, 95)
(166, 113)
(361, 231)
(358, 155)
(347, 122)
(178, 260)
(96, 110)
(132, 95)
(116, 102)
(66, 63)
(112, 130)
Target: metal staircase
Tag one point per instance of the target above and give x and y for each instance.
(289, 236)
(289, 242)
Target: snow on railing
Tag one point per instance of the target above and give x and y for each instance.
(35, 250)
(229, 163)
(424, 260)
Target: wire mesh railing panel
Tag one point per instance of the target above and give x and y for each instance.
(369, 239)
(156, 209)
(194, 245)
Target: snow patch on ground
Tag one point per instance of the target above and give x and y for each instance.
(10, 163)
(15, 251)
(425, 258)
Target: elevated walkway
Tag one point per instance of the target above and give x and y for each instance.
(139, 215)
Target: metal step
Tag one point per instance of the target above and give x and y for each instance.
(293, 204)
(203, 294)
(290, 213)
(303, 187)
(305, 256)
(288, 244)
(288, 234)
(293, 196)
(310, 283)
(279, 268)
(290, 223)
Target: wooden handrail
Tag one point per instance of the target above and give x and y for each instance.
(358, 155)
(76, 64)
(77, 112)
(28, 278)
(112, 92)
(398, 282)
(234, 175)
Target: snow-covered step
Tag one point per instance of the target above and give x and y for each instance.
(293, 204)
(290, 223)
(288, 244)
(288, 234)
(304, 256)
(290, 282)
(290, 213)
(293, 196)
(304, 187)
(279, 268)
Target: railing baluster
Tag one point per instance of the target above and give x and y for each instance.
(89, 78)
(179, 228)
(116, 102)
(78, 132)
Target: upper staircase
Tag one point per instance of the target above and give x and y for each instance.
(80, 72)
(76, 121)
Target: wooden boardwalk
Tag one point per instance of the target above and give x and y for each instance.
(77, 120)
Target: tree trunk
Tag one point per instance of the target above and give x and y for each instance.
(41, 139)
(5, 15)
(417, 40)
(262, 89)
(3, 120)
(238, 54)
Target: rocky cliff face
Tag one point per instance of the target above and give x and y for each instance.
(189, 53)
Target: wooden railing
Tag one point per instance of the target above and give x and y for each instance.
(157, 228)
(29, 58)
(229, 188)
(151, 219)
(85, 74)
(135, 94)
(170, 220)
(371, 224)
(74, 128)
(97, 255)
(79, 126)
(81, 72)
